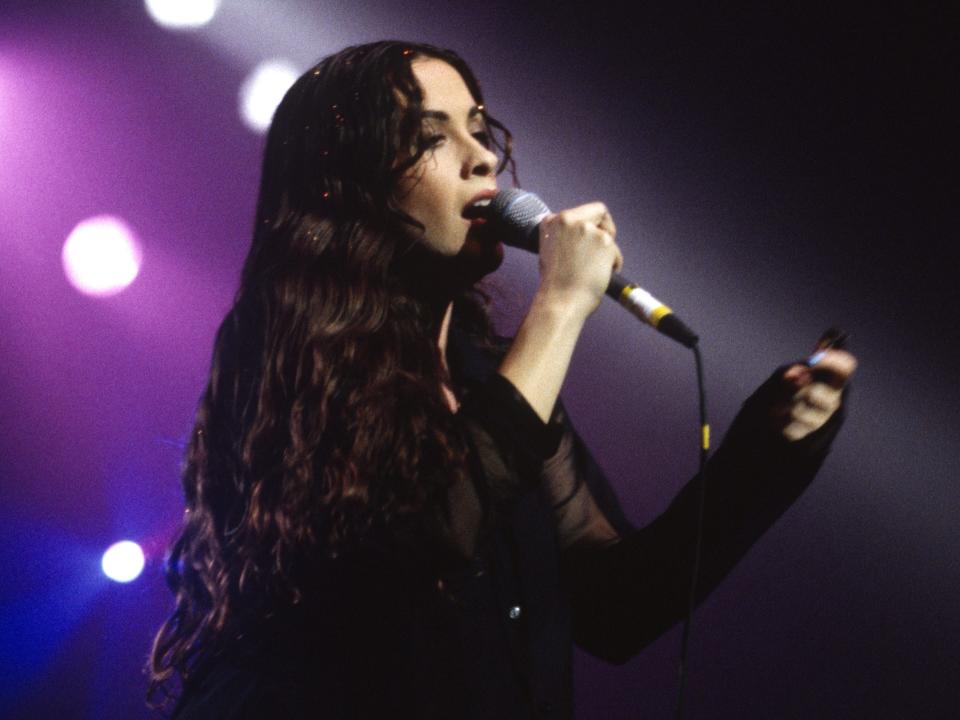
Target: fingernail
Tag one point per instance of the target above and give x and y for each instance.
(815, 358)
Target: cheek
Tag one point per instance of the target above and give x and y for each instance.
(430, 205)
(427, 196)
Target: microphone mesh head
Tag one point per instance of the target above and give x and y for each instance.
(515, 215)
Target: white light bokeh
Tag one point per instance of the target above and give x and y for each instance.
(101, 256)
(263, 90)
(182, 14)
(123, 561)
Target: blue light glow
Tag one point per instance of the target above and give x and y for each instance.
(123, 561)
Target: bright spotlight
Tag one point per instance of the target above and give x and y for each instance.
(123, 561)
(182, 14)
(263, 90)
(101, 256)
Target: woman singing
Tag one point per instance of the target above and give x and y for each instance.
(388, 513)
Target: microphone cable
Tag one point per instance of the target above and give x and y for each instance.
(703, 453)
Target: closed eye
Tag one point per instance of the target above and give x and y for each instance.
(432, 141)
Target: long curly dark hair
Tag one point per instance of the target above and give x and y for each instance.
(323, 416)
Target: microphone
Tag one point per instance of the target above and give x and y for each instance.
(516, 215)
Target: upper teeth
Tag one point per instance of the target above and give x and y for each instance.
(483, 202)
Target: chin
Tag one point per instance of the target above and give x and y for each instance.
(478, 258)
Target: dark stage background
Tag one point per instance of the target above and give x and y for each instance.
(773, 169)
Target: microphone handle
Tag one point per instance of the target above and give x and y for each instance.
(653, 312)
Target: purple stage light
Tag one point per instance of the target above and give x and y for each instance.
(182, 14)
(101, 256)
(123, 561)
(263, 90)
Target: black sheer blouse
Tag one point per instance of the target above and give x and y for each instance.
(530, 555)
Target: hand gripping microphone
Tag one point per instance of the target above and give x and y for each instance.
(515, 216)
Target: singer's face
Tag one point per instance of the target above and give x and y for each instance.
(456, 169)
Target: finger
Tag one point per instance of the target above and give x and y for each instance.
(618, 261)
(811, 417)
(594, 232)
(590, 212)
(606, 224)
(821, 396)
(606, 239)
(796, 431)
(798, 375)
(834, 367)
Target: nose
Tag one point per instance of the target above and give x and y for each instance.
(480, 160)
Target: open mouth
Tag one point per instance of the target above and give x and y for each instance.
(476, 211)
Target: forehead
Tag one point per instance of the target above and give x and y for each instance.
(442, 86)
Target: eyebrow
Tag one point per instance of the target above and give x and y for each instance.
(444, 117)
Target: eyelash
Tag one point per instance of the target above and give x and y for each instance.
(481, 136)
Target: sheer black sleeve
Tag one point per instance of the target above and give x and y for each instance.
(627, 586)
(629, 589)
